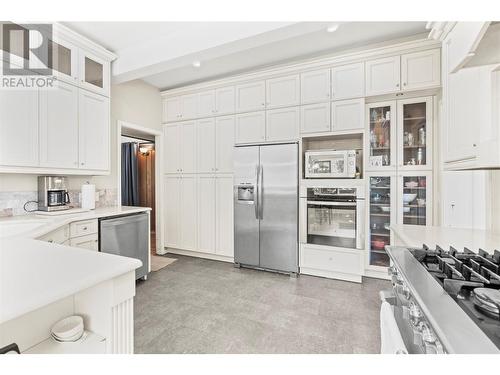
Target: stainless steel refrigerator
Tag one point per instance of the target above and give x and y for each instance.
(266, 207)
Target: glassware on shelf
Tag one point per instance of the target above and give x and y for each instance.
(380, 213)
(414, 200)
(415, 133)
(380, 136)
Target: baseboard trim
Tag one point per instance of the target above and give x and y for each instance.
(170, 250)
(377, 274)
(331, 274)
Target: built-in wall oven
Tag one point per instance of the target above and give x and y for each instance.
(332, 216)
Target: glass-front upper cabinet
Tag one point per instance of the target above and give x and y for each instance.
(382, 212)
(94, 73)
(415, 134)
(381, 136)
(64, 60)
(415, 198)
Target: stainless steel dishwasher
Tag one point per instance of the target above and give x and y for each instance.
(127, 236)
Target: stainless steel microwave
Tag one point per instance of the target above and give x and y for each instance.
(331, 164)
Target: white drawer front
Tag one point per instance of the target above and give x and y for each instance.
(90, 242)
(332, 259)
(59, 235)
(82, 228)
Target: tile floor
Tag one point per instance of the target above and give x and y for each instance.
(202, 306)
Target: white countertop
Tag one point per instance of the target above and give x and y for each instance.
(473, 239)
(34, 273)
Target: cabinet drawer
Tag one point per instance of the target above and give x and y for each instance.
(332, 259)
(90, 242)
(59, 235)
(82, 228)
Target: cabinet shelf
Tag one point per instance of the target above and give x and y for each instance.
(378, 251)
(414, 216)
(380, 234)
(414, 118)
(385, 215)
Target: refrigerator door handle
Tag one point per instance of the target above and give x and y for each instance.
(261, 193)
(257, 194)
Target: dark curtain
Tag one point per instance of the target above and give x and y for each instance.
(130, 175)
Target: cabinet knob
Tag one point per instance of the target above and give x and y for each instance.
(404, 83)
(82, 163)
(474, 145)
(397, 84)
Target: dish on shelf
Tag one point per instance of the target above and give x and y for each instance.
(378, 244)
(409, 197)
(421, 201)
(387, 226)
(68, 329)
(385, 208)
(406, 209)
(411, 184)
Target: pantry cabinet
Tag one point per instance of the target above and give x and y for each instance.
(180, 147)
(251, 96)
(172, 211)
(224, 144)
(348, 81)
(348, 115)
(224, 215)
(206, 103)
(315, 118)
(205, 145)
(382, 76)
(282, 124)
(315, 86)
(225, 101)
(59, 127)
(206, 214)
(172, 159)
(180, 108)
(93, 131)
(283, 91)
(250, 127)
(19, 128)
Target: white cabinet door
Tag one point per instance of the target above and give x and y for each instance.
(188, 213)
(224, 144)
(464, 39)
(187, 147)
(283, 91)
(206, 214)
(421, 69)
(172, 109)
(205, 148)
(94, 73)
(19, 128)
(224, 216)
(172, 211)
(283, 124)
(224, 100)
(382, 76)
(348, 81)
(64, 60)
(251, 96)
(348, 115)
(59, 126)
(250, 127)
(315, 118)
(89, 242)
(94, 142)
(189, 106)
(206, 103)
(172, 159)
(315, 86)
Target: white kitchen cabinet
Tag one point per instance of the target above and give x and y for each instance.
(348, 81)
(250, 127)
(205, 145)
(172, 109)
(251, 96)
(283, 91)
(19, 127)
(188, 212)
(382, 76)
(206, 103)
(189, 106)
(225, 101)
(64, 60)
(93, 131)
(381, 136)
(172, 159)
(224, 142)
(89, 242)
(206, 213)
(315, 118)
(315, 86)
(172, 211)
(187, 147)
(463, 40)
(283, 124)
(421, 70)
(415, 198)
(224, 215)
(348, 115)
(94, 72)
(59, 126)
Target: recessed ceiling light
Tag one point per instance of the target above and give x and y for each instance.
(332, 28)
(196, 64)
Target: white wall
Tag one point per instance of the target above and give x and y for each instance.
(495, 200)
(135, 102)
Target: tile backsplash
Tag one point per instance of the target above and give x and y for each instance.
(12, 202)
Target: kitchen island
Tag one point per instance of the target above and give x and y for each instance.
(43, 282)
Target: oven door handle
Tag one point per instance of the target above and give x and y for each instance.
(327, 203)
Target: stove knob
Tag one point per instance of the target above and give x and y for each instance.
(392, 271)
(406, 292)
(415, 313)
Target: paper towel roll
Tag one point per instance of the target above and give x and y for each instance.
(88, 196)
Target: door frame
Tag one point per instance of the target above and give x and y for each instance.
(158, 136)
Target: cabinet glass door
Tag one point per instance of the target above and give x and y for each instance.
(94, 72)
(380, 211)
(414, 138)
(380, 137)
(415, 200)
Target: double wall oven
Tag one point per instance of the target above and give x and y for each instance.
(332, 216)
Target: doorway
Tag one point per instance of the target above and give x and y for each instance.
(138, 173)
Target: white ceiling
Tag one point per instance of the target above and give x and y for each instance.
(162, 53)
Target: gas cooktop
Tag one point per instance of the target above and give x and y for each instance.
(471, 279)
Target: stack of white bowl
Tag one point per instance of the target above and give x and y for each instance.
(69, 329)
